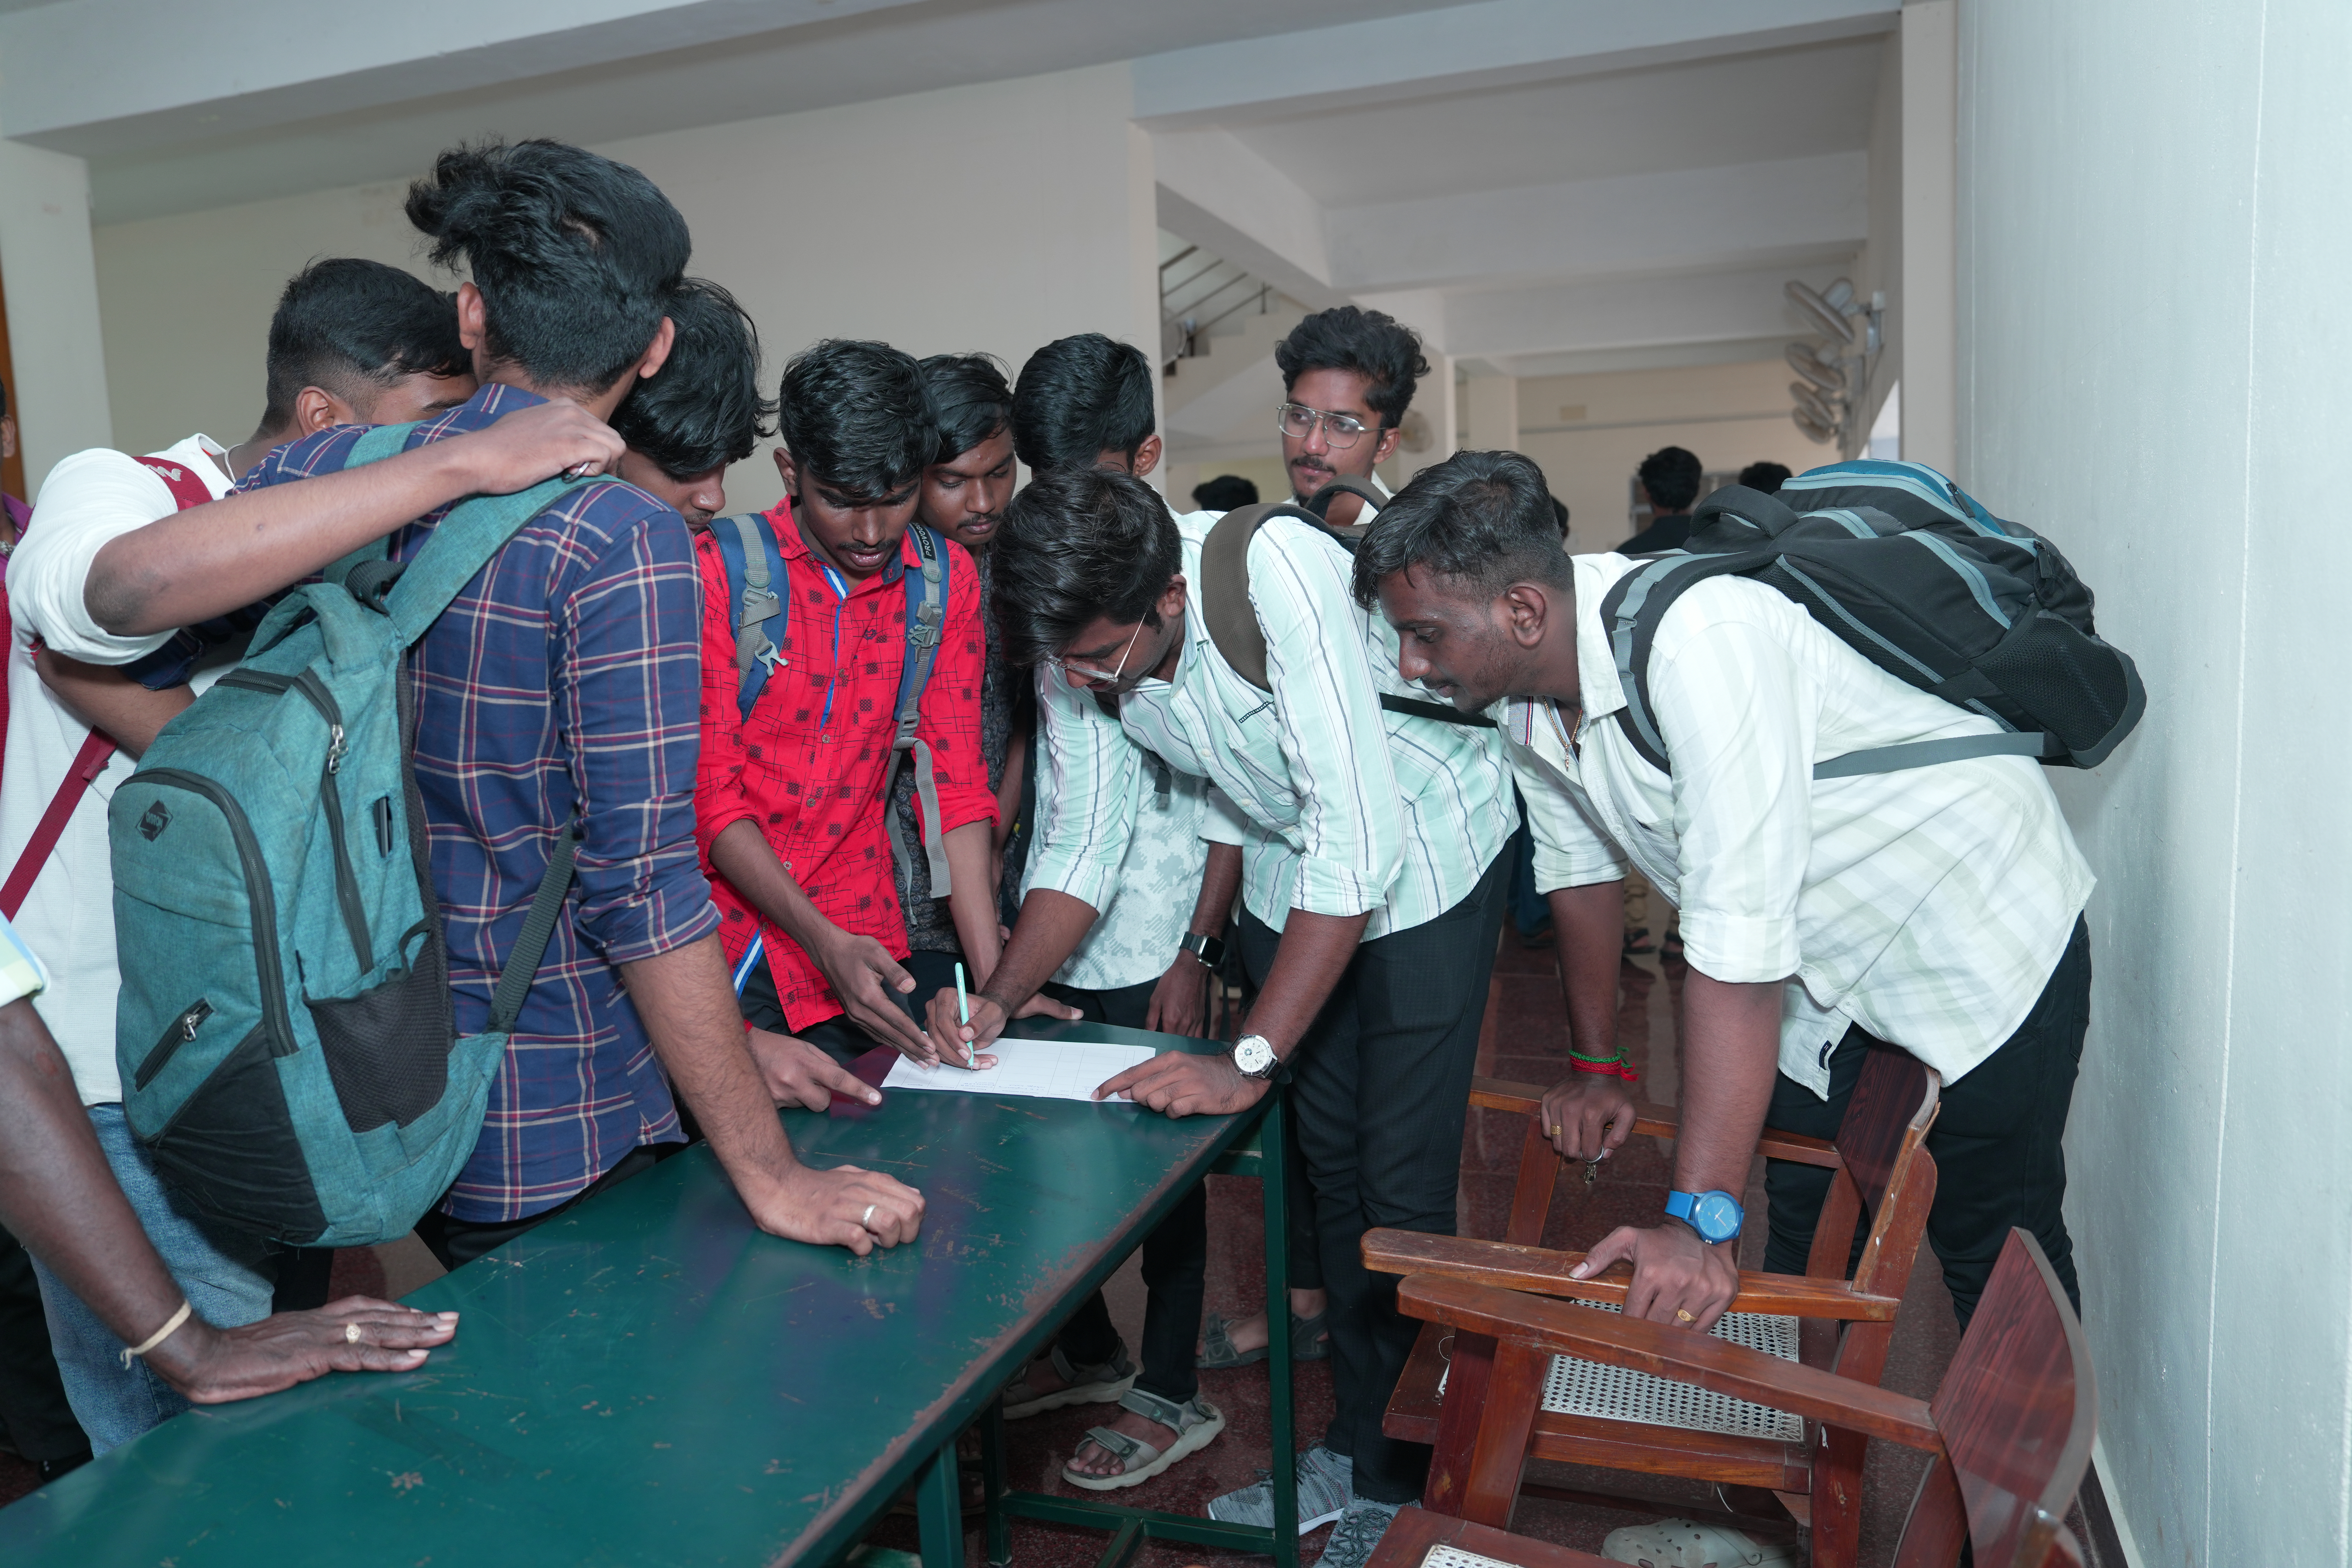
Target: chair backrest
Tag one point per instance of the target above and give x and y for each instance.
(1887, 1172)
(2017, 1409)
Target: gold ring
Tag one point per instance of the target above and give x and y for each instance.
(1554, 1132)
(1682, 1317)
(350, 1333)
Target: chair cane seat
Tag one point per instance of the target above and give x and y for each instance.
(1577, 1387)
(1454, 1557)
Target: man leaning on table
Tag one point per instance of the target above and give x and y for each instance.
(1372, 891)
(1937, 910)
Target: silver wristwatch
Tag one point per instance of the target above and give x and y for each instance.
(1254, 1057)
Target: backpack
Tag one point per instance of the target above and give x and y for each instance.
(1906, 569)
(284, 1031)
(754, 564)
(1224, 591)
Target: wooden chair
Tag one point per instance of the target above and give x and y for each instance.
(2009, 1429)
(1822, 1319)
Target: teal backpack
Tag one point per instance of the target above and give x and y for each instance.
(289, 1051)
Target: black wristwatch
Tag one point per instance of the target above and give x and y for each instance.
(1209, 949)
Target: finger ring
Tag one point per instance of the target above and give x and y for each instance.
(350, 1333)
(868, 1217)
(1554, 1132)
(1682, 1317)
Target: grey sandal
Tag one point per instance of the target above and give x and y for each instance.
(1307, 1343)
(1195, 1423)
(1086, 1385)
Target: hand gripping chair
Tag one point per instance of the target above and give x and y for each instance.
(2009, 1429)
(1605, 1415)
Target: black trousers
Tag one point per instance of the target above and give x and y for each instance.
(1380, 1087)
(458, 1242)
(32, 1398)
(1175, 1254)
(1996, 1143)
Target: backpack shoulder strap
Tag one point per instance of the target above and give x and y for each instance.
(462, 544)
(926, 614)
(380, 442)
(1319, 503)
(538, 928)
(1224, 585)
(747, 546)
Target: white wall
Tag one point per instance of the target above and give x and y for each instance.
(1730, 415)
(59, 396)
(994, 217)
(2154, 201)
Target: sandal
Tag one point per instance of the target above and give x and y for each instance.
(1684, 1544)
(1195, 1423)
(1308, 1342)
(1085, 1385)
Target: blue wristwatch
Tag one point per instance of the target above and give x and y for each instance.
(1716, 1216)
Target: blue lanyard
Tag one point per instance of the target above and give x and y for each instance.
(840, 597)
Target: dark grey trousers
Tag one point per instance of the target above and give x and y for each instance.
(1381, 1087)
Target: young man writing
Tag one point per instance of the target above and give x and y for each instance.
(1348, 378)
(791, 797)
(701, 411)
(1372, 891)
(557, 694)
(352, 342)
(1936, 910)
(1084, 402)
(964, 489)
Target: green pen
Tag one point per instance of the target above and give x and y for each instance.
(963, 1007)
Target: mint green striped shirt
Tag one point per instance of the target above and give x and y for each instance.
(1341, 808)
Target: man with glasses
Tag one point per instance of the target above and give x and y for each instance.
(1372, 887)
(1348, 376)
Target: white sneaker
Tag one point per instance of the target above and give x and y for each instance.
(1326, 1482)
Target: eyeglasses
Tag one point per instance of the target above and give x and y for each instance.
(1092, 676)
(1298, 421)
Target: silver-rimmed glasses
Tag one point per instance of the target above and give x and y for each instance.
(1092, 676)
(1298, 421)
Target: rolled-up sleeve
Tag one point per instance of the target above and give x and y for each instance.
(627, 678)
(1571, 851)
(87, 499)
(1739, 729)
(1089, 776)
(1350, 824)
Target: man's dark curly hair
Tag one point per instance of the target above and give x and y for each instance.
(1375, 346)
(703, 407)
(1079, 544)
(856, 418)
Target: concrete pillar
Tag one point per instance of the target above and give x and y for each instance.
(1930, 297)
(50, 277)
(1494, 413)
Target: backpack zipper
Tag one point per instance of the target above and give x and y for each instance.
(347, 886)
(183, 1029)
(269, 967)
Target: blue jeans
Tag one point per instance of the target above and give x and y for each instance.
(226, 1278)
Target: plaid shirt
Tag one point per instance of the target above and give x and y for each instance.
(809, 764)
(561, 678)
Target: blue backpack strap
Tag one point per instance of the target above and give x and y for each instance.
(747, 546)
(382, 441)
(926, 614)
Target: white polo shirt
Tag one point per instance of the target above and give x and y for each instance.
(68, 915)
(1930, 906)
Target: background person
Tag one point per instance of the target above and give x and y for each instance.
(1347, 378)
(701, 411)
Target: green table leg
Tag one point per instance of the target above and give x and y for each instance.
(938, 1508)
(992, 1470)
(1283, 1468)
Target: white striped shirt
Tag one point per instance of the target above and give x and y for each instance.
(1930, 906)
(1341, 808)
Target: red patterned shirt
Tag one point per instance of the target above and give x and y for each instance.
(809, 765)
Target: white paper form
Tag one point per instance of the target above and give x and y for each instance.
(1039, 1070)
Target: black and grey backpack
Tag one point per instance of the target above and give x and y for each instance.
(1910, 572)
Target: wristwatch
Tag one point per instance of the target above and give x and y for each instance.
(1716, 1216)
(1209, 949)
(1254, 1057)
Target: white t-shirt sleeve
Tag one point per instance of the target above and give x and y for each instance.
(89, 499)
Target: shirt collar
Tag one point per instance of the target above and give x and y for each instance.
(1596, 664)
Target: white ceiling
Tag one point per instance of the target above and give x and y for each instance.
(1744, 109)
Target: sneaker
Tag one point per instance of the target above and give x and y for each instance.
(1358, 1532)
(1326, 1482)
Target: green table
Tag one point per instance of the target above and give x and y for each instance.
(650, 1380)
